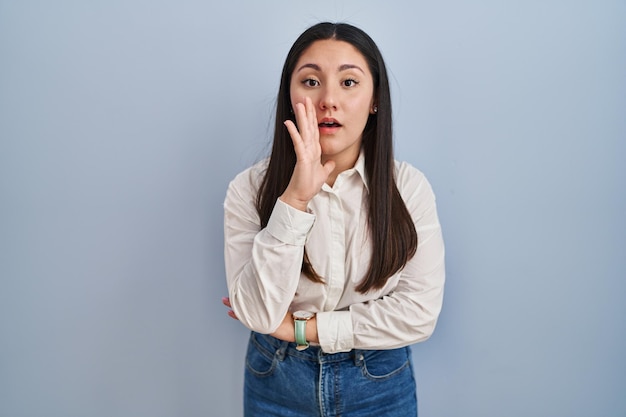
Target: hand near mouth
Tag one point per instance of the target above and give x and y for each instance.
(309, 174)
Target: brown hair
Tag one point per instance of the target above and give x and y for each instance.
(393, 234)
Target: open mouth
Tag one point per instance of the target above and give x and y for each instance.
(329, 123)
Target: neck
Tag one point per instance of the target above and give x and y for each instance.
(341, 164)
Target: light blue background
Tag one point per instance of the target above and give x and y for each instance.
(121, 123)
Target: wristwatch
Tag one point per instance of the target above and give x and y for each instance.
(300, 319)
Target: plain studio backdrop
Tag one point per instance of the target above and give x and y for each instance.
(122, 122)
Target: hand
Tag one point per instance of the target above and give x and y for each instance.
(284, 332)
(309, 174)
(231, 313)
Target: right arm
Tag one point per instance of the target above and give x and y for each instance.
(263, 267)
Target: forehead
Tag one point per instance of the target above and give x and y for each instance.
(330, 54)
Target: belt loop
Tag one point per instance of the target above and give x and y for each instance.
(282, 350)
(358, 357)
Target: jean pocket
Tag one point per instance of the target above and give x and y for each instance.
(380, 365)
(260, 357)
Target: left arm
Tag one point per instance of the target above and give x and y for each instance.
(408, 312)
(286, 329)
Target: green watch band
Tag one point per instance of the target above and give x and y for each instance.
(300, 319)
(300, 332)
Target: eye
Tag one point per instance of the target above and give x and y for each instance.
(310, 82)
(350, 82)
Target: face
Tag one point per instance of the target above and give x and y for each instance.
(336, 77)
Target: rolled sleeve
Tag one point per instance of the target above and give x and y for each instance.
(335, 333)
(289, 225)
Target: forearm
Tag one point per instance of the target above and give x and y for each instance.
(404, 313)
(286, 330)
(259, 302)
(263, 267)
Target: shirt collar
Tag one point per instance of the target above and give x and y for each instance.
(359, 167)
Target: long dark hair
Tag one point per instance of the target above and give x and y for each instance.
(393, 234)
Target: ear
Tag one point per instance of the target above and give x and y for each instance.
(374, 104)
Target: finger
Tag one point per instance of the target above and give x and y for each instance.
(328, 167)
(226, 302)
(312, 117)
(294, 133)
(310, 120)
(232, 315)
(302, 119)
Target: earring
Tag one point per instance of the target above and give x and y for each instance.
(375, 109)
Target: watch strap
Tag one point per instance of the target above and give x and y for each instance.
(300, 333)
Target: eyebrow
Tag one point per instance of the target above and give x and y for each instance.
(343, 67)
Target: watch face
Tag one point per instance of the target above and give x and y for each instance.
(302, 315)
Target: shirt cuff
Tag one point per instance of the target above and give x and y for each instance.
(289, 225)
(334, 331)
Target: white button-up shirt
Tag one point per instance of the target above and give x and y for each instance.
(263, 266)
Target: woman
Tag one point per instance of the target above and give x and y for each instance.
(333, 250)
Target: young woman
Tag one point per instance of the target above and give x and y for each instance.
(333, 250)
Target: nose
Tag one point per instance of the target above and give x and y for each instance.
(328, 99)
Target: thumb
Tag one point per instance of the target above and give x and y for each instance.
(328, 167)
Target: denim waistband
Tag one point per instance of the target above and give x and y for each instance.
(312, 353)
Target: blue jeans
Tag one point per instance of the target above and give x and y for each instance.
(282, 381)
